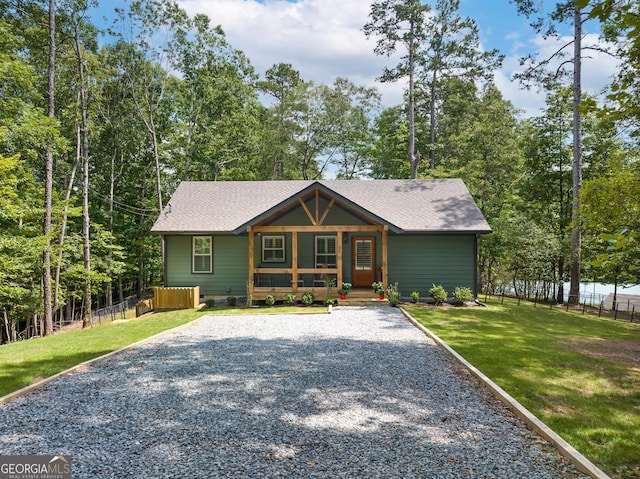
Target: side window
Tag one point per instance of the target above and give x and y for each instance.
(273, 249)
(202, 257)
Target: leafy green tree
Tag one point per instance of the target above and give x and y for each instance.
(520, 254)
(450, 50)
(21, 244)
(216, 100)
(351, 109)
(387, 153)
(288, 90)
(547, 188)
(611, 215)
(483, 136)
(313, 131)
(620, 21)
(29, 133)
(547, 73)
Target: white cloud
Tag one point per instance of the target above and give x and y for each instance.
(323, 39)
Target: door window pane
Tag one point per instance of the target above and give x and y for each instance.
(364, 255)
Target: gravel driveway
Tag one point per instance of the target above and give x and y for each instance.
(357, 393)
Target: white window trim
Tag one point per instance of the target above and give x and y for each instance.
(284, 249)
(194, 255)
(324, 237)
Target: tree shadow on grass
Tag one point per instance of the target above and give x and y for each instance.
(26, 373)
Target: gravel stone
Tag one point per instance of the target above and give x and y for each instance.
(359, 393)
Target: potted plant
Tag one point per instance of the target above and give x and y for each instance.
(415, 296)
(378, 288)
(344, 290)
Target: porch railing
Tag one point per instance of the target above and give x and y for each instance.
(269, 278)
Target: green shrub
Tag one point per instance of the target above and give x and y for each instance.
(462, 295)
(270, 300)
(393, 294)
(210, 303)
(415, 296)
(438, 294)
(290, 299)
(308, 298)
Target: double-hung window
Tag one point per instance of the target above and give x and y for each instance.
(273, 249)
(202, 257)
(326, 251)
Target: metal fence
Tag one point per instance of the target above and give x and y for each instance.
(111, 313)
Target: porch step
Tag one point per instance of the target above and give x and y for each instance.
(362, 297)
(363, 302)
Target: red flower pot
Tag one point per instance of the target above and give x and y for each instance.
(381, 295)
(343, 296)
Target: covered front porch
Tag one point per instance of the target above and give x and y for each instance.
(321, 258)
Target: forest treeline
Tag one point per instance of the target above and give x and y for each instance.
(97, 131)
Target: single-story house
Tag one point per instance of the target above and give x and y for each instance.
(275, 237)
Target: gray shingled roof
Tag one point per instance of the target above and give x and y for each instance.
(442, 205)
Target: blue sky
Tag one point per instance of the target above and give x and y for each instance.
(323, 40)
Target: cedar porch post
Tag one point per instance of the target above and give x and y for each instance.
(385, 275)
(339, 235)
(294, 262)
(251, 266)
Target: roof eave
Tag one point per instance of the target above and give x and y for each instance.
(449, 232)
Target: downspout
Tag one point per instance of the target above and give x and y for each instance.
(475, 267)
(385, 256)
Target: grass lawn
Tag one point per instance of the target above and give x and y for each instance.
(26, 362)
(579, 374)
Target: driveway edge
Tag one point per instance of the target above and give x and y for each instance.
(82, 366)
(568, 451)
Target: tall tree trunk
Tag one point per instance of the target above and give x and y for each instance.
(63, 230)
(108, 289)
(147, 115)
(432, 123)
(84, 154)
(412, 134)
(560, 297)
(6, 323)
(48, 183)
(576, 228)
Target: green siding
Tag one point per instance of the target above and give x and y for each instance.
(418, 262)
(337, 215)
(230, 265)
